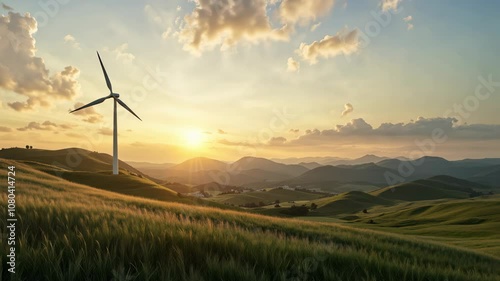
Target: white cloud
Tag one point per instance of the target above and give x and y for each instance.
(344, 42)
(315, 26)
(390, 4)
(292, 65)
(227, 22)
(122, 54)
(304, 11)
(69, 39)
(26, 74)
(347, 109)
(409, 20)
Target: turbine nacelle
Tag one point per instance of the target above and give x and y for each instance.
(115, 95)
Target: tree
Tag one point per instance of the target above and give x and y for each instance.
(296, 211)
(365, 211)
(314, 206)
(277, 206)
(27, 147)
(31, 147)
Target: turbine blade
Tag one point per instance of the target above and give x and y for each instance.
(105, 74)
(97, 101)
(127, 108)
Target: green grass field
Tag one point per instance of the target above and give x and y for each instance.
(267, 197)
(69, 231)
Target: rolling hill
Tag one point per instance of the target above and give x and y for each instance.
(327, 178)
(250, 163)
(267, 197)
(484, 171)
(471, 223)
(74, 159)
(350, 202)
(83, 233)
(429, 189)
(369, 158)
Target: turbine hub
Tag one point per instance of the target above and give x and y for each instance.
(116, 95)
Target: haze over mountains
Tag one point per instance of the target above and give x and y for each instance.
(338, 175)
(361, 174)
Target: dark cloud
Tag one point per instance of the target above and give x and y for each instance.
(6, 7)
(277, 141)
(45, 126)
(5, 129)
(105, 131)
(91, 115)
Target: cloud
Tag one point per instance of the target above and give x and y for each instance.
(122, 54)
(304, 11)
(69, 39)
(315, 26)
(45, 126)
(344, 42)
(24, 73)
(347, 109)
(234, 143)
(6, 7)
(227, 22)
(221, 132)
(91, 115)
(277, 141)
(105, 131)
(408, 20)
(390, 5)
(295, 131)
(292, 65)
(420, 128)
(5, 129)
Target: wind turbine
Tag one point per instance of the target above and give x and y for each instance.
(116, 99)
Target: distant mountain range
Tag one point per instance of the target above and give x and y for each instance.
(254, 172)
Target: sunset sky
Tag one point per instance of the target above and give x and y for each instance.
(269, 78)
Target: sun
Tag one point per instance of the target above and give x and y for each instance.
(194, 138)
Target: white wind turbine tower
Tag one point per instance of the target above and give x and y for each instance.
(116, 99)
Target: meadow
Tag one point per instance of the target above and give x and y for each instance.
(69, 231)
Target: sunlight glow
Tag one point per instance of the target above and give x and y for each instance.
(193, 138)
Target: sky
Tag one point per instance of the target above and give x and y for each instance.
(267, 78)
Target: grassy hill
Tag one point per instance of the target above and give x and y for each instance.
(74, 159)
(428, 189)
(350, 202)
(267, 197)
(251, 163)
(471, 223)
(68, 231)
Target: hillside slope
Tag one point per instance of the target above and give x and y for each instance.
(429, 189)
(87, 234)
(350, 202)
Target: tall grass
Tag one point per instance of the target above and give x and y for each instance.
(68, 231)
